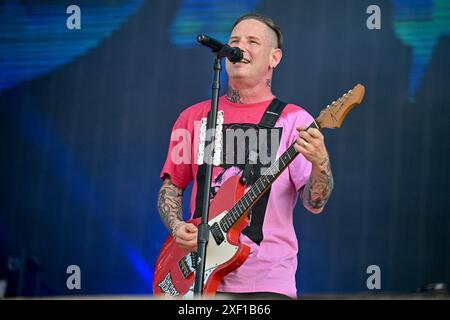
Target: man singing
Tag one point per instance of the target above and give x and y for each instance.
(269, 270)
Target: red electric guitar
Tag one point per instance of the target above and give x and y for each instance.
(175, 267)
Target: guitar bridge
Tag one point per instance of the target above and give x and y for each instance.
(188, 264)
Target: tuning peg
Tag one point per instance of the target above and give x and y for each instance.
(328, 106)
(350, 91)
(333, 103)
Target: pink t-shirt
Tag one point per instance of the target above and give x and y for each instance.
(272, 263)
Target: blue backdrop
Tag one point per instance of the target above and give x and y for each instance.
(85, 120)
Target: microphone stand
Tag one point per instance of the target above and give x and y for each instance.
(203, 228)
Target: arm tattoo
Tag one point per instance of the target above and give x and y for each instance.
(233, 95)
(170, 204)
(318, 189)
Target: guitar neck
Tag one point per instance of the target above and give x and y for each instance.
(260, 186)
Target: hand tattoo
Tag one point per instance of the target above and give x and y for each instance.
(319, 187)
(170, 204)
(233, 95)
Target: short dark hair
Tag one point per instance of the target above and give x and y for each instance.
(267, 21)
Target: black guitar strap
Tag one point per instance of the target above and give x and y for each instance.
(267, 121)
(272, 114)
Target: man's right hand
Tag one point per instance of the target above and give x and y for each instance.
(185, 236)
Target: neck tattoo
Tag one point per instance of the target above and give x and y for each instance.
(233, 95)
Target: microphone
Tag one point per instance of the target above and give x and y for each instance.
(234, 54)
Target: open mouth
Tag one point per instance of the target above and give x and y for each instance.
(244, 60)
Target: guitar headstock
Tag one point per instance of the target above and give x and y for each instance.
(334, 114)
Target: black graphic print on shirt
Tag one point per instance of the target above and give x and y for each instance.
(242, 142)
